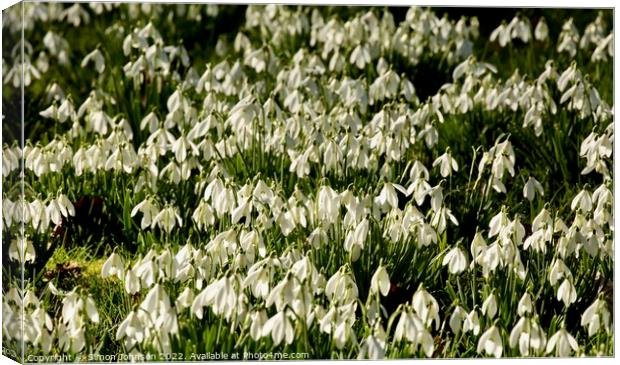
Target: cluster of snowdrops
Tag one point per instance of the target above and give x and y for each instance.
(293, 192)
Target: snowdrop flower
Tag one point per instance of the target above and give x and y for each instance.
(66, 111)
(22, 250)
(528, 335)
(446, 164)
(436, 195)
(75, 15)
(132, 282)
(498, 223)
(132, 330)
(569, 36)
(478, 246)
(440, 219)
(22, 73)
(203, 215)
(220, 295)
(380, 282)
(280, 327)
(373, 348)
(531, 187)
(168, 218)
(328, 204)
(457, 319)
(258, 320)
(525, 305)
(558, 271)
(97, 58)
(567, 292)
(71, 338)
(563, 343)
(490, 342)
(595, 316)
(360, 56)
(456, 261)
(541, 32)
(582, 201)
(340, 287)
(374, 345)
(113, 266)
(355, 239)
(411, 327)
(91, 310)
(258, 279)
(99, 122)
(472, 322)
(502, 34)
(426, 306)
(387, 197)
(58, 208)
(151, 121)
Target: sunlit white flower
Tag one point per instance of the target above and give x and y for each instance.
(456, 261)
(595, 317)
(528, 335)
(531, 187)
(541, 32)
(168, 218)
(582, 201)
(490, 343)
(97, 58)
(567, 292)
(457, 318)
(525, 305)
(472, 322)
(113, 266)
(489, 306)
(280, 327)
(132, 282)
(426, 306)
(380, 282)
(22, 250)
(562, 342)
(446, 164)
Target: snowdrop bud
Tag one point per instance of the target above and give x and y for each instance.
(380, 281)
